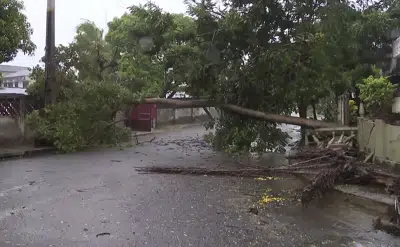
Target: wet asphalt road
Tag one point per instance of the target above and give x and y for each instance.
(98, 199)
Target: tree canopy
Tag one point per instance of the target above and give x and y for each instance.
(15, 31)
(271, 56)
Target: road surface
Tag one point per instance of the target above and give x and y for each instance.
(98, 199)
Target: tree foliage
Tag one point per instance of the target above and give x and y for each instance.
(86, 119)
(377, 93)
(66, 76)
(157, 47)
(279, 56)
(87, 99)
(272, 56)
(15, 30)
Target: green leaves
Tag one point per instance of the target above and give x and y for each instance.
(86, 119)
(158, 49)
(377, 93)
(270, 56)
(15, 31)
(235, 134)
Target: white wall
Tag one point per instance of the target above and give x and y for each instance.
(379, 137)
(171, 116)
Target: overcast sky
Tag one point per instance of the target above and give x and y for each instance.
(69, 14)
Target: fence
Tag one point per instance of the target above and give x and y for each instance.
(12, 120)
(11, 107)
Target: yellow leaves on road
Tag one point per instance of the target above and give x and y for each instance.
(266, 198)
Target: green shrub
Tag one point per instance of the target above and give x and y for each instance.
(85, 120)
(377, 94)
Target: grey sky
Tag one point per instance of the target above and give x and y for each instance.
(69, 14)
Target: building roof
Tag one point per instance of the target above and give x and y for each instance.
(11, 68)
(18, 73)
(12, 91)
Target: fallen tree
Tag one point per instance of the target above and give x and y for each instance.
(310, 123)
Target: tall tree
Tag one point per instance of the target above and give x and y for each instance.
(272, 56)
(94, 58)
(156, 47)
(277, 56)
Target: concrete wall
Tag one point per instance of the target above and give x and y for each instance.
(10, 132)
(119, 118)
(182, 115)
(379, 137)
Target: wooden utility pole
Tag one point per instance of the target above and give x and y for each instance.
(50, 66)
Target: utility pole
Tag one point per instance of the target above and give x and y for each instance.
(50, 66)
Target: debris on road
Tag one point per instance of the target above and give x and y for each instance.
(257, 172)
(326, 164)
(103, 234)
(253, 210)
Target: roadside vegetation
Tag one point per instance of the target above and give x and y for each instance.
(271, 56)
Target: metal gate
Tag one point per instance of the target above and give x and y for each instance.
(141, 117)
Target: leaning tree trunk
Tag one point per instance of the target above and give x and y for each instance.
(309, 123)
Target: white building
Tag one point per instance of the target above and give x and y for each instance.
(15, 76)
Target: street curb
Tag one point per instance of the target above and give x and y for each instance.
(27, 153)
(360, 193)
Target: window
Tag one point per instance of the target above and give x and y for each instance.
(25, 84)
(16, 84)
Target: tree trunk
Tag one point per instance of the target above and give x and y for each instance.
(303, 114)
(309, 123)
(208, 113)
(314, 111)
